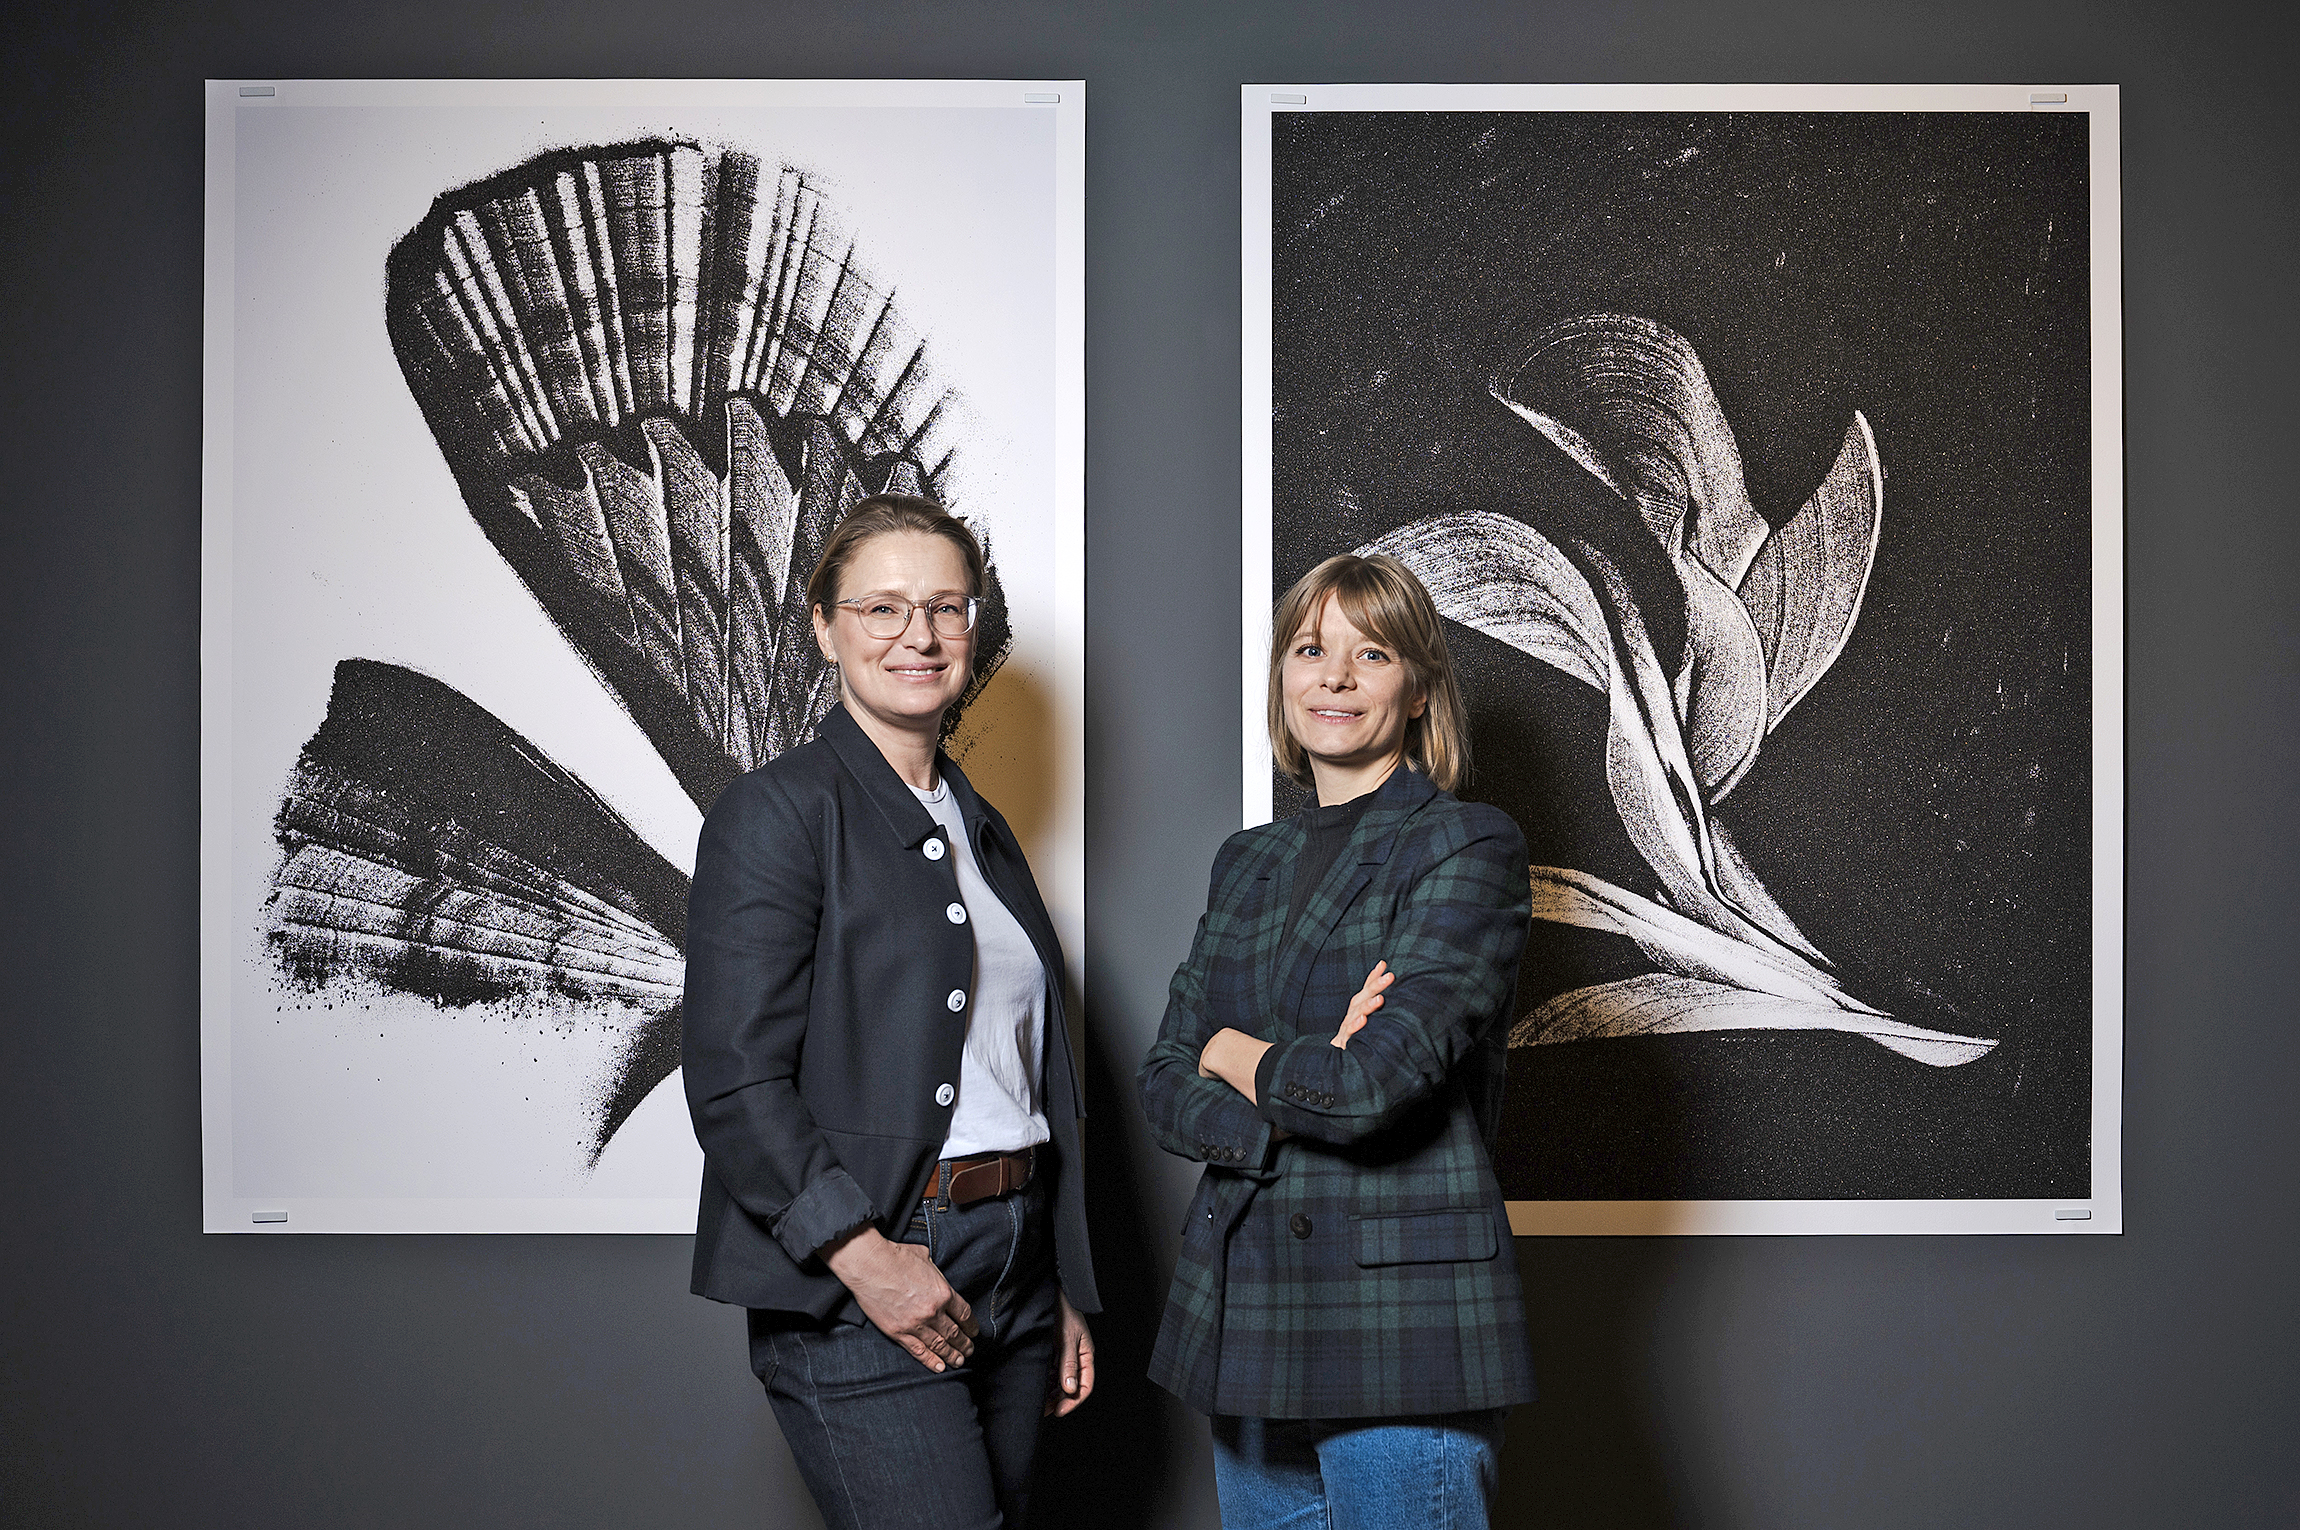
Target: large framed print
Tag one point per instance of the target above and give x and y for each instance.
(528, 407)
(1762, 447)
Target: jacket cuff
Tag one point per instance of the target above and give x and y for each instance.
(831, 1205)
(1230, 1134)
(1301, 1096)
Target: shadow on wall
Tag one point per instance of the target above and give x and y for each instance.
(1114, 1462)
(1590, 1451)
(1001, 744)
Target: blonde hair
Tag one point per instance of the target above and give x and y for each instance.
(1383, 600)
(875, 517)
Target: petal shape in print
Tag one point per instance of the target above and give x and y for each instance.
(1803, 589)
(1721, 688)
(1509, 582)
(1629, 400)
(430, 850)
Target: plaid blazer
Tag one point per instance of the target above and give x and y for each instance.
(1363, 1266)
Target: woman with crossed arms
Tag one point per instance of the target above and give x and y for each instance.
(879, 1073)
(1345, 1305)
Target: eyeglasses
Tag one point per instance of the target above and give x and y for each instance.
(887, 615)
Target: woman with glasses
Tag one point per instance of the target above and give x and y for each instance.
(1345, 1305)
(879, 1073)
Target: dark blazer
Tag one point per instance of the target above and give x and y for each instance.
(825, 1015)
(1362, 1267)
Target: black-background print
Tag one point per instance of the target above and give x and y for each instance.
(1924, 813)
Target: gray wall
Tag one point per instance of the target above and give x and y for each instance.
(150, 1375)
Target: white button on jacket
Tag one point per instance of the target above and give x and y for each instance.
(956, 913)
(957, 1000)
(934, 849)
(945, 1095)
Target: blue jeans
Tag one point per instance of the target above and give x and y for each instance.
(1358, 1473)
(886, 1444)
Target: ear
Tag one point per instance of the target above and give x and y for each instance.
(822, 635)
(1421, 704)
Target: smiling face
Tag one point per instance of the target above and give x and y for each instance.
(904, 683)
(1348, 701)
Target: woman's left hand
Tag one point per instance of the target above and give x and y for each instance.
(1073, 1379)
(1369, 999)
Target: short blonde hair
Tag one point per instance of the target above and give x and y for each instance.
(1383, 600)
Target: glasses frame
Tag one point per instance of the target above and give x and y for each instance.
(911, 608)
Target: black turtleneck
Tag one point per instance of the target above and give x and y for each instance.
(1329, 829)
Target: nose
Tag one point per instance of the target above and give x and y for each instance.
(923, 626)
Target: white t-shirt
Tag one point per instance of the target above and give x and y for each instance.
(998, 1106)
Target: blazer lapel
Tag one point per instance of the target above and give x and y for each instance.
(1369, 848)
(912, 824)
(1023, 902)
(1269, 939)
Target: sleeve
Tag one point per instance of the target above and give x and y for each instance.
(751, 924)
(1455, 949)
(1190, 1116)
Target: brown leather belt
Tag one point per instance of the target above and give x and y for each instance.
(966, 1180)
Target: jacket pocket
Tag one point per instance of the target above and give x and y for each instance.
(1425, 1237)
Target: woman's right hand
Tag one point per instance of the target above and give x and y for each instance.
(1368, 1000)
(904, 1296)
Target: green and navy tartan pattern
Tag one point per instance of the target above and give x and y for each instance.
(1363, 1266)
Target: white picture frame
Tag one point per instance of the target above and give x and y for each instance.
(2095, 1205)
(334, 530)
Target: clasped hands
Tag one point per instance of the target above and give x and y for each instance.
(1233, 1056)
(906, 1298)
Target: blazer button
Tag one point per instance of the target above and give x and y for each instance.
(957, 1000)
(1299, 1225)
(945, 1095)
(956, 913)
(933, 849)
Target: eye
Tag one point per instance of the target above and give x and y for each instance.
(1309, 651)
(950, 605)
(1373, 656)
(878, 607)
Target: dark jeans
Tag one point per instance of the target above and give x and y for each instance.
(886, 1444)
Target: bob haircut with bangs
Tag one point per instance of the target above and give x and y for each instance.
(1383, 600)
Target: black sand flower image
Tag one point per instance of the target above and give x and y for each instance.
(1760, 612)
